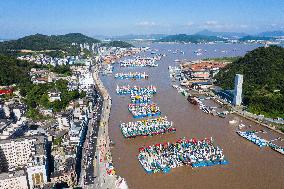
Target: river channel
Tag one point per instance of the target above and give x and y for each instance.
(249, 167)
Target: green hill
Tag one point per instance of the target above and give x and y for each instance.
(263, 86)
(249, 37)
(190, 38)
(13, 71)
(39, 42)
(121, 44)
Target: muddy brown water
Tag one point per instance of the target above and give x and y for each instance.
(249, 167)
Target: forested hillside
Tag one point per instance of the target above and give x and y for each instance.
(263, 87)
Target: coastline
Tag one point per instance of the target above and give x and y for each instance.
(243, 114)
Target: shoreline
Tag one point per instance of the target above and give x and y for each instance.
(235, 111)
(104, 180)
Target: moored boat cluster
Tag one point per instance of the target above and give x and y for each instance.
(141, 104)
(251, 136)
(144, 110)
(146, 127)
(164, 157)
(131, 75)
(160, 157)
(127, 90)
(139, 99)
(140, 62)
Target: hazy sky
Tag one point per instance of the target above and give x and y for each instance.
(117, 17)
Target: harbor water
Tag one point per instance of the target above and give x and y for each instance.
(249, 167)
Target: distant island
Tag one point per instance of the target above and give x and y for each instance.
(255, 38)
(221, 34)
(133, 37)
(40, 42)
(121, 44)
(277, 33)
(263, 86)
(54, 45)
(190, 38)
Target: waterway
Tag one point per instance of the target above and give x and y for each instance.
(249, 167)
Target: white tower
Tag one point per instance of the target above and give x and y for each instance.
(238, 90)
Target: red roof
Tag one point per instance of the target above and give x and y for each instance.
(6, 91)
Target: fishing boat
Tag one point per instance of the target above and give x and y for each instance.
(277, 148)
(241, 126)
(175, 86)
(233, 121)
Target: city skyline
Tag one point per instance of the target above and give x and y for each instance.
(112, 18)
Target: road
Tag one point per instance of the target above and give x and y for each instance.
(89, 150)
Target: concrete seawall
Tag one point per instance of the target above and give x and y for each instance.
(103, 179)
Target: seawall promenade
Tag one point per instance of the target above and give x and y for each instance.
(103, 161)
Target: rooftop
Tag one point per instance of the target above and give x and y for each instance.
(8, 175)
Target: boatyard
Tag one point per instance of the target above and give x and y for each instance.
(249, 165)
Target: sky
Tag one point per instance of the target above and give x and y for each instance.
(120, 17)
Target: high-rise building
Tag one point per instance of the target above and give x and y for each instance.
(26, 153)
(238, 90)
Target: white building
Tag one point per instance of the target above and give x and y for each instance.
(23, 152)
(54, 95)
(15, 180)
(65, 119)
(36, 176)
(86, 79)
(238, 90)
(27, 153)
(6, 110)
